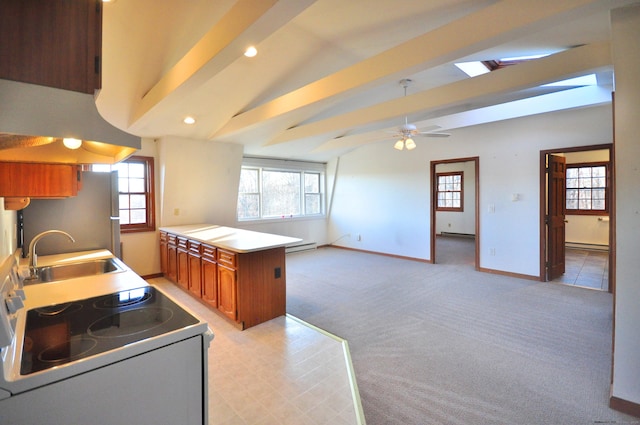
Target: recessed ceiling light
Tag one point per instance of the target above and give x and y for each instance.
(250, 52)
(72, 143)
(189, 120)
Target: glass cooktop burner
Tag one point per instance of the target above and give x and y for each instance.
(63, 333)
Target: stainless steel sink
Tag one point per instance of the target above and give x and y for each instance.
(73, 270)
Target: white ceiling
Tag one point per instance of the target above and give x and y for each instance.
(326, 77)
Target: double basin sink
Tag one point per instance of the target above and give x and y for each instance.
(73, 270)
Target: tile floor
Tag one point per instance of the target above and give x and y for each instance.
(279, 372)
(586, 268)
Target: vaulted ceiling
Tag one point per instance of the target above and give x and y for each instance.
(326, 76)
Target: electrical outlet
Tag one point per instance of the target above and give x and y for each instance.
(277, 273)
(492, 251)
(176, 211)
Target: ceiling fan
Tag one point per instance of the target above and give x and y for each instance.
(406, 132)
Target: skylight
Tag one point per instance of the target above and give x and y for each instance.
(473, 69)
(585, 80)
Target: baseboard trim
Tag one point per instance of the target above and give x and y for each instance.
(421, 260)
(624, 406)
(152, 276)
(510, 274)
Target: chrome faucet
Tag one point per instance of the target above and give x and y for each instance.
(33, 270)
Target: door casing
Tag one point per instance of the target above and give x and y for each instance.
(434, 203)
(610, 199)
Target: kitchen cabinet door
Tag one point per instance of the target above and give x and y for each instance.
(55, 43)
(172, 259)
(209, 282)
(195, 274)
(227, 292)
(183, 263)
(164, 253)
(34, 180)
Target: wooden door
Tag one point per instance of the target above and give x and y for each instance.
(556, 216)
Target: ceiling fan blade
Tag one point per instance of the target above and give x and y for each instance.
(435, 134)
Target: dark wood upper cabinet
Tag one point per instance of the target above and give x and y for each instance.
(54, 43)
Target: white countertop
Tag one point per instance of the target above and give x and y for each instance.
(238, 240)
(49, 293)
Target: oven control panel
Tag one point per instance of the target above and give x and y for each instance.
(12, 298)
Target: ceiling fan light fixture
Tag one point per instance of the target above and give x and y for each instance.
(399, 145)
(410, 144)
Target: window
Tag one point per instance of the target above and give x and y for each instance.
(586, 188)
(280, 189)
(450, 191)
(135, 193)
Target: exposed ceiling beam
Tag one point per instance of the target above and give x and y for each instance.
(567, 64)
(557, 101)
(247, 22)
(492, 25)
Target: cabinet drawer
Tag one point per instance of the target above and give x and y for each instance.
(173, 240)
(209, 252)
(194, 247)
(163, 237)
(226, 257)
(182, 243)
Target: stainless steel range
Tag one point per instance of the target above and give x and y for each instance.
(103, 358)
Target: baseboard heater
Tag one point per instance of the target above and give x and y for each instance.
(303, 246)
(458, 235)
(586, 246)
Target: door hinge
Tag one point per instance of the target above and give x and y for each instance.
(546, 219)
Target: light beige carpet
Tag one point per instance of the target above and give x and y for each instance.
(444, 344)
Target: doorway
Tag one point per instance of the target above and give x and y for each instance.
(455, 211)
(577, 216)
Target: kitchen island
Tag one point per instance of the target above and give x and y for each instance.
(240, 273)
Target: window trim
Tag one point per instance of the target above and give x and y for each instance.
(450, 173)
(578, 211)
(282, 165)
(150, 223)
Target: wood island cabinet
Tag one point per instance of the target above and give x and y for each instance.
(209, 276)
(164, 252)
(172, 258)
(248, 288)
(227, 284)
(183, 263)
(195, 268)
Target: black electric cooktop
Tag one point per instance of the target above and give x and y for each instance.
(63, 333)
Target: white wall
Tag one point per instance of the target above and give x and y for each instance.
(383, 194)
(460, 222)
(625, 26)
(198, 181)
(587, 229)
